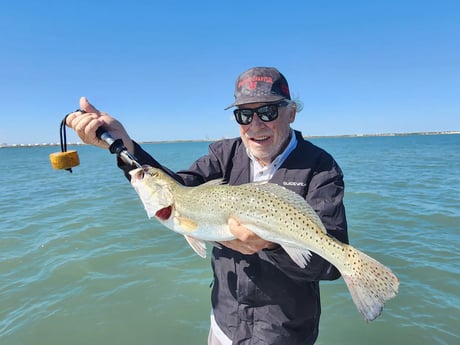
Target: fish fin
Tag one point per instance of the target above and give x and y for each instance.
(291, 198)
(197, 245)
(215, 182)
(300, 256)
(370, 283)
(186, 223)
(215, 244)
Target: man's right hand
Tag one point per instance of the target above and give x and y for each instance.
(86, 123)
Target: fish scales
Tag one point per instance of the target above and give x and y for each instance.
(272, 212)
(277, 217)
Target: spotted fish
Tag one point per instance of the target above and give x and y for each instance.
(274, 213)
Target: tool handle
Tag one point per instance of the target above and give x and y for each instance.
(102, 134)
(117, 147)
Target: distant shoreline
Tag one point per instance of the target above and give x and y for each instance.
(5, 145)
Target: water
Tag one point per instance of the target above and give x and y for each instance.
(80, 263)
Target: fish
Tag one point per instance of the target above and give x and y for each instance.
(271, 211)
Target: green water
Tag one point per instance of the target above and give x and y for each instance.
(80, 262)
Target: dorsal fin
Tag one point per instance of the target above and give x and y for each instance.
(215, 182)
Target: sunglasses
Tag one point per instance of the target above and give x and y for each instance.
(266, 113)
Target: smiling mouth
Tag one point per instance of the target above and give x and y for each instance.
(260, 139)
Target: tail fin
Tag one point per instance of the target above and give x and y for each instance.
(370, 283)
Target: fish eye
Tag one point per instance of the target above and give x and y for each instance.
(146, 170)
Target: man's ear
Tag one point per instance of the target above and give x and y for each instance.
(293, 112)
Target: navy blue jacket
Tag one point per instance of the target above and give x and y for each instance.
(266, 298)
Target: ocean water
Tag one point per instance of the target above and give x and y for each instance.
(80, 262)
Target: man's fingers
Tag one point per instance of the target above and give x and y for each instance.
(86, 106)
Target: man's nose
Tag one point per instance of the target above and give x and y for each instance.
(256, 121)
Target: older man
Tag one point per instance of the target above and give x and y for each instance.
(259, 295)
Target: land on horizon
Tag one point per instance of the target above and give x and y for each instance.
(4, 145)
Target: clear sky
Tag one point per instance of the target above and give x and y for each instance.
(167, 69)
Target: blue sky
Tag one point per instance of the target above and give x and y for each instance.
(167, 69)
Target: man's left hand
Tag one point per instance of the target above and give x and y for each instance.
(246, 241)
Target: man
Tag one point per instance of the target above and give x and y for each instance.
(259, 295)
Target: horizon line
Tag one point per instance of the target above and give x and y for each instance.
(5, 145)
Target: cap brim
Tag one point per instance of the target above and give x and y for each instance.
(250, 100)
(231, 105)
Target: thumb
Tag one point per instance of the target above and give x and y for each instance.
(86, 106)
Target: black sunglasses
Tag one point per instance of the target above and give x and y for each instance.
(266, 113)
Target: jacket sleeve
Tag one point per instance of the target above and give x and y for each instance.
(142, 157)
(325, 195)
(204, 169)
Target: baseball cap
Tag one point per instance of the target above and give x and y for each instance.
(260, 85)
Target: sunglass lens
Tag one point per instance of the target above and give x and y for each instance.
(268, 113)
(243, 116)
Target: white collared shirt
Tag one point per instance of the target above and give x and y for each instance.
(265, 173)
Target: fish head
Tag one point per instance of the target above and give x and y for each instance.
(154, 188)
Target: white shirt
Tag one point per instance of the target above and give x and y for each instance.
(265, 173)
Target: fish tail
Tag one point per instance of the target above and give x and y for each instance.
(370, 283)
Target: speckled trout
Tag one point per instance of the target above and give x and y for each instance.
(274, 213)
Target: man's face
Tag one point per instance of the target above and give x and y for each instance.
(265, 140)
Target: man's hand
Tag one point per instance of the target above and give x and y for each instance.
(246, 241)
(87, 122)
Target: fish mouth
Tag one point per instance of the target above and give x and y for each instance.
(139, 173)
